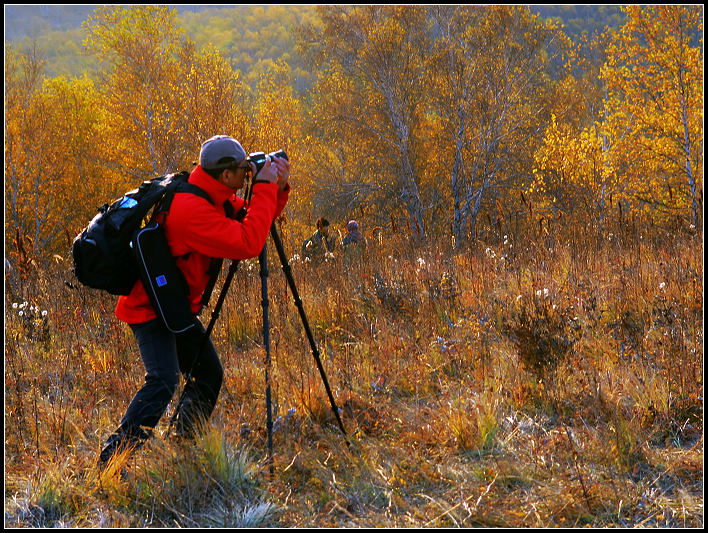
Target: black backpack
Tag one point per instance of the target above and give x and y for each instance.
(102, 252)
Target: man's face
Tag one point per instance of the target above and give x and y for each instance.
(235, 178)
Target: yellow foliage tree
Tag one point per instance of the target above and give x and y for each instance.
(213, 100)
(142, 43)
(579, 165)
(162, 96)
(377, 55)
(574, 170)
(655, 76)
(278, 123)
(338, 166)
(491, 89)
(54, 138)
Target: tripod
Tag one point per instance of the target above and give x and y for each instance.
(262, 258)
(298, 303)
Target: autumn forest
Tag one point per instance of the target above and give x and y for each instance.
(521, 345)
(440, 122)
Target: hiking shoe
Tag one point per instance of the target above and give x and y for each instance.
(119, 441)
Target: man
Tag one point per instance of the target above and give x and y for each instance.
(197, 231)
(320, 243)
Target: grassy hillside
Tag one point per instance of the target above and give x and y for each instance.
(544, 383)
(252, 37)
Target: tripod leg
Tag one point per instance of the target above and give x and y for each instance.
(263, 260)
(298, 303)
(207, 333)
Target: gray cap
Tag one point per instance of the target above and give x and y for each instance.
(221, 151)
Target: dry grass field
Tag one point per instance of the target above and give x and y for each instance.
(535, 382)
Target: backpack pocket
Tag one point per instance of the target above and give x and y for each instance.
(163, 280)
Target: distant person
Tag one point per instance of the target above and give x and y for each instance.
(353, 235)
(321, 242)
(353, 242)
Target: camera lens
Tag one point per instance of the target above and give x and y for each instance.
(280, 153)
(259, 158)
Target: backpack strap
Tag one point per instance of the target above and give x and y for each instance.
(177, 183)
(180, 184)
(193, 189)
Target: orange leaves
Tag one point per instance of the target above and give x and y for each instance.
(54, 132)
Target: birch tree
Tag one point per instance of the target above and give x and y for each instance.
(655, 76)
(491, 74)
(376, 53)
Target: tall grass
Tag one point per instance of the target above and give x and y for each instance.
(543, 381)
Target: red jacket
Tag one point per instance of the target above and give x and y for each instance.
(198, 231)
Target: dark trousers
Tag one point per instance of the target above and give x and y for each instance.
(165, 355)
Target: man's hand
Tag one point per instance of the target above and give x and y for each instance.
(269, 172)
(283, 166)
(275, 170)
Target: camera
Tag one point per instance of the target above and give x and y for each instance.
(259, 158)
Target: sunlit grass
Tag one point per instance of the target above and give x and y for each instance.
(517, 384)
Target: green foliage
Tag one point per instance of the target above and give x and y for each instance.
(252, 37)
(579, 19)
